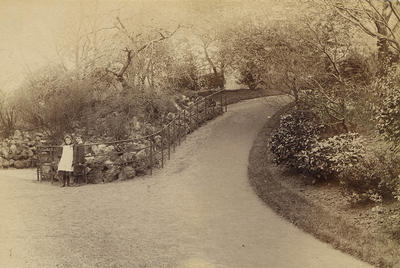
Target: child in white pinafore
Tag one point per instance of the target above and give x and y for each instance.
(65, 165)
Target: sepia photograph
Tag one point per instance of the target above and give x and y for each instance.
(199, 133)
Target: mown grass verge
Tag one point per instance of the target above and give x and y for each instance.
(292, 203)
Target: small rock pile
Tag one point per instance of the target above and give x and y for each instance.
(19, 150)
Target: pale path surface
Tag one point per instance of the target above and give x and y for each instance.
(197, 212)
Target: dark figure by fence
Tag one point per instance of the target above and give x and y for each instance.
(79, 160)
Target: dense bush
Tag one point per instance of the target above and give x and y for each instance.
(367, 170)
(374, 177)
(329, 157)
(8, 116)
(249, 76)
(296, 133)
(125, 114)
(52, 101)
(58, 101)
(389, 117)
(212, 81)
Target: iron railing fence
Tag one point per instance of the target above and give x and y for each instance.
(157, 146)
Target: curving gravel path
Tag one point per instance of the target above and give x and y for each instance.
(197, 212)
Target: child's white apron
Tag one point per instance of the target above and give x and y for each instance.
(65, 163)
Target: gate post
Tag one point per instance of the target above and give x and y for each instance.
(205, 109)
(169, 142)
(151, 157)
(173, 134)
(184, 124)
(162, 148)
(220, 101)
(38, 164)
(197, 114)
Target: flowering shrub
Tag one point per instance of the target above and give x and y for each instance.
(328, 157)
(368, 171)
(297, 132)
(374, 177)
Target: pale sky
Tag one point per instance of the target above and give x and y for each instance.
(31, 29)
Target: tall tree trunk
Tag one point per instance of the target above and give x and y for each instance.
(385, 56)
(217, 76)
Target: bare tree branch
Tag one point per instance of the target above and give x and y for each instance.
(347, 14)
(130, 53)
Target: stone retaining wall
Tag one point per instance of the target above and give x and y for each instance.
(19, 150)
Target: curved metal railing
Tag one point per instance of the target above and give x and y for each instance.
(158, 145)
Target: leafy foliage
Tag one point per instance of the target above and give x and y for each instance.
(248, 47)
(52, 100)
(368, 170)
(327, 158)
(389, 117)
(297, 132)
(374, 177)
(8, 116)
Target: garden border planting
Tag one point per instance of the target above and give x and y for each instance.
(309, 215)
